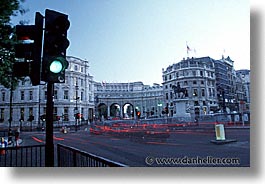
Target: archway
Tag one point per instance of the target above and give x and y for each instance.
(102, 111)
(128, 111)
(115, 110)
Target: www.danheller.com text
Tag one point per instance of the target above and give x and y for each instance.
(182, 161)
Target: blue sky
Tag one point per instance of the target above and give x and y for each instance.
(132, 40)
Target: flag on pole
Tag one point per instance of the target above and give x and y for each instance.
(188, 49)
(103, 84)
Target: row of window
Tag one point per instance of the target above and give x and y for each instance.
(25, 117)
(194, 93)
(29, 96)
(192, 63)
(193, 83)
(189, 73)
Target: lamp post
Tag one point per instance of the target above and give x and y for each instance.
(76, 109)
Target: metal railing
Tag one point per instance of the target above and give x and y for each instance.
(72, 157)
(23, 156)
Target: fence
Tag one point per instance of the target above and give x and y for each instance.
(23, 156)
(72, 157)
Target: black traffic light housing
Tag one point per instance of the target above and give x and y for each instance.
(54, 48)
(29, 47)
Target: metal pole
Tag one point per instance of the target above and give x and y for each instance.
(49, 147)
(10, 105)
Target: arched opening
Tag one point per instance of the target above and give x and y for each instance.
(128, 111)
(115, 110)
(102, 111)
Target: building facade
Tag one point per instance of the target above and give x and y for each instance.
(244, 76)
(76, 95)
(124, 100)
(197, 77)
(203, 85)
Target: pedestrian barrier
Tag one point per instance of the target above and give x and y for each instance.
(23, 156)
(72, 157)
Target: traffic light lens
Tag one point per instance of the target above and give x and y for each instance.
(56, 66)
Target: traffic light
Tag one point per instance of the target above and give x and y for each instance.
(54, 48)
(78, 116)
(29, 47)
(35, 74)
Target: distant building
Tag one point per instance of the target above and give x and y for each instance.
(244, 75)
(203, 85)
(75, 95)
(124, 100)
(197, 77)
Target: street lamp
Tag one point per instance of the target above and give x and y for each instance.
(76, 109)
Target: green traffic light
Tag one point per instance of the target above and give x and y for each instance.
(56, 66)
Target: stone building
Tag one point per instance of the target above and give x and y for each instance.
(124, 100)
(76, 95)
(197, 77)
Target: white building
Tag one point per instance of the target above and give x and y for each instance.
(197, 77)
(124, 100)
(75, 95)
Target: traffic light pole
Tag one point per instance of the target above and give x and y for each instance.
(49, 147)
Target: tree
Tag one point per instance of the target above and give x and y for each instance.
(8, 8)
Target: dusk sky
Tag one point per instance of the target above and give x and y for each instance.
(132, 40)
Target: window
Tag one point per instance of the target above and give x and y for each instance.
(65, 111)
(3, 96)
(195, 92)
(82, 95)
(194, 82)
(203, 92)
(22, 95)
(2, 115)
(76, 68)
(30, 95)
(66, 94)
(171, 95)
